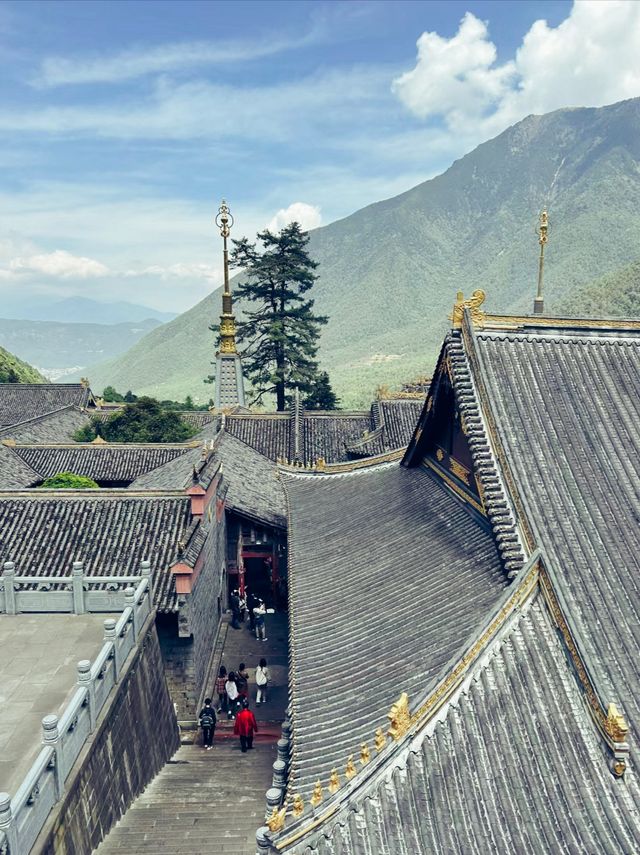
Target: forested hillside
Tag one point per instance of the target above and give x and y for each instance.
(14, 370)
(389, 272)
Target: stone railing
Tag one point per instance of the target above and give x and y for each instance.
(23, 815)
(76, 594)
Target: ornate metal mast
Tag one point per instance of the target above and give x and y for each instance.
(229, 382)
(224, 221)
(541, 231)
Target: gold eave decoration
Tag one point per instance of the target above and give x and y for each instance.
(615, 725)
(400, 717)
(334, 781)
(297, 808)
(316, 795)
(350, 770)
(473, 304)
(276, 820)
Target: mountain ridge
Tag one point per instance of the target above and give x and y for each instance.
(389, 272)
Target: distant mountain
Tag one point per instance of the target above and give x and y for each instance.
(14, 370)
(82, 310)
(389, 272)
(615, 295)
(61, 348)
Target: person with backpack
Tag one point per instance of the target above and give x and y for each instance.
(242, 682)
(262, 680)
(207, 723)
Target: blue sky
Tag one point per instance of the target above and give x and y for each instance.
(122, 125)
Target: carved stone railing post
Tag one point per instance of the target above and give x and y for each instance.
(274, 800)
(145, 571)
(51, 736)
(84, 679)
(110, 636)
(77, 580)
(7, 824)
(279, 780)
(129, 602)
(263, 841)
(283, 750)
(8, 576)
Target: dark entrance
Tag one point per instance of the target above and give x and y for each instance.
(257, 578)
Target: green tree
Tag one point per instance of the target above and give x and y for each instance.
(321, 396)
(145, 420)
(70, 481)
(129, 397)
(109, 394)
(280, 335)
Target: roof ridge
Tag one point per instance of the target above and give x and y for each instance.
(5, 428)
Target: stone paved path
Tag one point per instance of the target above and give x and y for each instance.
(202, 802)
(214, 801)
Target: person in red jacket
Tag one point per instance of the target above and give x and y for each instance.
(245, 726)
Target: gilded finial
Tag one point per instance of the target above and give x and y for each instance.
(316, 795)
(615, 724)
(350, 769)
(320, 464)
(334, 781)
(276, 821)
(542, 232)
(365, 753)
(380, 739)
(399, 717)
(224, 221)
(297, 808)
(473, 304)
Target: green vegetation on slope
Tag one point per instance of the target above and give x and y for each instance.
(614, 295)
(14, 370)
(388, 274)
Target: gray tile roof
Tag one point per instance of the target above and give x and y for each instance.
(567, 408)
(175, 474)
(512, 765)
(43, 534)
(15, 474)
(388, 577)
(268, 434)
(22, 401)
(100, 462)
(58, 426)
(254, 490)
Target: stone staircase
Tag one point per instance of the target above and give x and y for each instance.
(201, 802)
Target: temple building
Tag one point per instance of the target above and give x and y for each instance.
(464, 669)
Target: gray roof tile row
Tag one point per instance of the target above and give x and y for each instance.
(22, 401)
(388, 577)
(512, 765)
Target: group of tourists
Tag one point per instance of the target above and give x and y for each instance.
(232, 689)
(253, 609)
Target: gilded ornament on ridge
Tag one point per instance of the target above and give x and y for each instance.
(316, 795)
(334, 781)
(350, 769)
(365, 753)
(276, 820)
(297, 808)
(380, 739)
(400, 717)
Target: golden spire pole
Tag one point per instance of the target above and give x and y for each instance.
(541, 231)
(224, 221)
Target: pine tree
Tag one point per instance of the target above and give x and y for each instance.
(322, 396)
(280, 335)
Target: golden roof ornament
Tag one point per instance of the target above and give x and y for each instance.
(365, 753)
(615, 725)
(400, 717)
(542, 232)
(350, 769)
(380, 740)
(316, 795)
(334, 781)
(224, 221)
(297, 808)
(473, 304)
(276, 821)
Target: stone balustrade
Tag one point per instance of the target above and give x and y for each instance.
(76, 594)
(23, 815)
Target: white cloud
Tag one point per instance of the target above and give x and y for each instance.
(143, 60)
(308, 216)
(177, 271)
(592, 58)
(59, 264)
